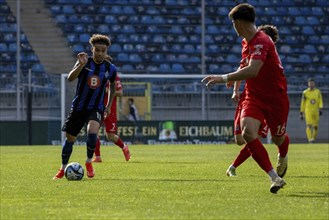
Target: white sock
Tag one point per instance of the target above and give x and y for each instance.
(273, 175)
(232, 167)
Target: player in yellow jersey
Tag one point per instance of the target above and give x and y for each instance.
(311, 106)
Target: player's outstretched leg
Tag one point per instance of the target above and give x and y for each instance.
(277, 184)
(91, 145)
(126, 152)
(282, 165)
(66, 154)
(98, 158)
(59, 174)
(90, 170)
(231, 171)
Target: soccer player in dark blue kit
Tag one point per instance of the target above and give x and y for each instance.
(88, 103)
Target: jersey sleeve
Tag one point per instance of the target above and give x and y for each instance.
(113, 73)
(303, 101)
(259, 49)
(320, 100)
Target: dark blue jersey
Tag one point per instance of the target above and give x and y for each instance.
(91, 85)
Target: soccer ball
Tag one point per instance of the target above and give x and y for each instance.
(74, 171)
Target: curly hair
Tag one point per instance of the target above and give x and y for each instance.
(271, 31)
(100, 39)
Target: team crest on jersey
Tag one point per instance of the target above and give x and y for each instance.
(94, 82)
(313, 101)
(257, 48)
(107, 74)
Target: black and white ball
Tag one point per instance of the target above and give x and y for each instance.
(74, 171)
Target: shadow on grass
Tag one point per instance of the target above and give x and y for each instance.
(310, 194)
(158, 162)
(312, 177)
(166, 180)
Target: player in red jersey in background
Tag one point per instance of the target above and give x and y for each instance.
(110, 123)
(244, 154)
(265, 93)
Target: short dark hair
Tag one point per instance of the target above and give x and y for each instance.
(100, 39)
(311, 80)
(271, 31)
(244, 12)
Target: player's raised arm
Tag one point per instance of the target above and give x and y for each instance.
(82, 61)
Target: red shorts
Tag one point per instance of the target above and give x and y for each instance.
(263, 130)
(274, 112)
(110, 123)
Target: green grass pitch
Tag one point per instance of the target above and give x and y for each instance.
(163, 182)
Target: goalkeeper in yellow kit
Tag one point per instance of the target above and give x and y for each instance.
(311, 106)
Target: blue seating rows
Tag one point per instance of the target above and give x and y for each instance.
(8, 46)
(153, 27)
(165, 35)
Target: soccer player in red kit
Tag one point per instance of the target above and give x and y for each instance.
(244, 154)
(265, 93)
(110, 123)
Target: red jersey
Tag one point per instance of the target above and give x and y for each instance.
(114, 103)
(270, 82)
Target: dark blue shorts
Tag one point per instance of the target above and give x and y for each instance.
(76, 120)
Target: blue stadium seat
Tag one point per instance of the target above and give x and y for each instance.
(61, 19)
(104, 29)
(128, 47)
(79, 28)
(84, 38)
(32, 57)
(68, 9)
(308, 30)
(317, 11)
(304, 58)
(74, 19)
(3, 47)
(189, 48)
(214, 68)
(164, 67)
(78, 48)
(159, 39)
(127, 68)
(37, 68)
(213, 48)
(110, 19)
(208, 39)
(176, 30)
(128, 10)
(178, 68)
(116, 10)
(87, 19)
(115, 48)
(158, 58)
(103, 9)
(310, 49)
(325, 59)
(72, 38)
(123, 57)
(232, 59)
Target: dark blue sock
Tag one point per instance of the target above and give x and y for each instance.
(91, 145)
(66, 151)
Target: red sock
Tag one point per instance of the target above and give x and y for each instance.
(97, 149)
(260, 155)
(283, 148)
(120, 143)
(243, 155)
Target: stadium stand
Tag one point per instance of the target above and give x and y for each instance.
(172, 29)
(163, 36)
(8, 48)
